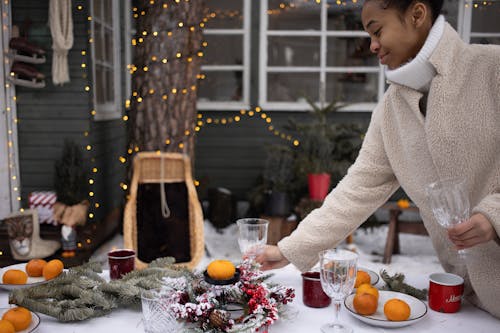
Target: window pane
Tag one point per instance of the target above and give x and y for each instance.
(97, 8)
(99, 88)
(108, 40)
(292, 87)
(485, 15)
(110, 86)
(354, 51)
(224, 14)
(485, 40)
(352, 87)
(108, 11)
(221, 86)
(293, 51)
(98, 41)
(232, 46)
(294, 15)
(344, 16)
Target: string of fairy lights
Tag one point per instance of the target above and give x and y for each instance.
(11, 116)
(202, 121)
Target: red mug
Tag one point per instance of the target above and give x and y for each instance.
(445, 292)
(121, 262)
(312, 292)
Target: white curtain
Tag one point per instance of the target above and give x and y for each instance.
(61, 29)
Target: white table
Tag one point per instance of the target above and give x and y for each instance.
(468, 320)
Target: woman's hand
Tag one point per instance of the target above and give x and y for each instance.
(271, 258)
(477, 230)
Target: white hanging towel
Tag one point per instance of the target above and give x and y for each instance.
(61, 29)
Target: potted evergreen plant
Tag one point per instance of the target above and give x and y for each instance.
(325, 148)
(70, 183)
(278, 174)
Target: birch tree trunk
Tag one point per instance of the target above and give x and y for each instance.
(167, 62)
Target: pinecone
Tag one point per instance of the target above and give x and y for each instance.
(219, 318)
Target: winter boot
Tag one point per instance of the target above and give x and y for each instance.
(24, 237)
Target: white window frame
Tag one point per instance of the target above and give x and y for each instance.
(128, 35)
(245, 67)
(10, 188)
(112, 110)
(323, 69)
(465, 22)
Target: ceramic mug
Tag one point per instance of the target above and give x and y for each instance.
(121, 262)
(312, 292)
(445, 292)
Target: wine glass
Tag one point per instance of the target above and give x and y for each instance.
(338, 274)
(449, 201)
(252, 236)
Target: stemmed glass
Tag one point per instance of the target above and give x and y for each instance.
(338, 274)
(252, 236)
(449, 201)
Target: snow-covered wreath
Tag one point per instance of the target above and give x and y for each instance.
(244, 306)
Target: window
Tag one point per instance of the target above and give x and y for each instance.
(226, 64)
(313, 49)
(316, 50)
(482, 19)
(106, 68)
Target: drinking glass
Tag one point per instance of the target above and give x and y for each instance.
(338, 274)
(449, 201)
(156, 315)
(252, 236)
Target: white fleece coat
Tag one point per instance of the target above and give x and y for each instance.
(458, 137)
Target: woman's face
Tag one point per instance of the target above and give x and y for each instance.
(394, 36)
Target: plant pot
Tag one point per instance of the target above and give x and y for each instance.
(278, 204)
(319, 184)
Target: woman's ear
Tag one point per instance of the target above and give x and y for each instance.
(419, 14)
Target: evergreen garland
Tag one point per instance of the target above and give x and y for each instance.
(80, 293)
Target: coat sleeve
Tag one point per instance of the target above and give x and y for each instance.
(369, 182)
(490, 207)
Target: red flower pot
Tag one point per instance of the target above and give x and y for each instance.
(319, 184)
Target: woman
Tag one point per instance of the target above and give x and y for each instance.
(440, 118)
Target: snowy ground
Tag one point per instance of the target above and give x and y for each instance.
(417, 254)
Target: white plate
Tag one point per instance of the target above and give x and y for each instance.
(373, 276)
(35, 321)
(417, 307)
(32, 281)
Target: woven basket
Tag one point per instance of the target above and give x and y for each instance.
(176, 168)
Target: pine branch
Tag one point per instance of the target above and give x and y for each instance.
(395, 283)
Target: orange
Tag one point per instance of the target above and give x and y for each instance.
(403, 203)
(52, 269)
(397, 310)
(221, 269)
(34, 267)
(6, 327)
(365, 304)
(367, 288)
(19, 317)
(15, 276)
(361, 278)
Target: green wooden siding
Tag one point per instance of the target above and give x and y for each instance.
(233, 155)
(53, 114)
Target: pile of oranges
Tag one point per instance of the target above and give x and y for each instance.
(365, 303)
(34, 268)
(15, 319)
